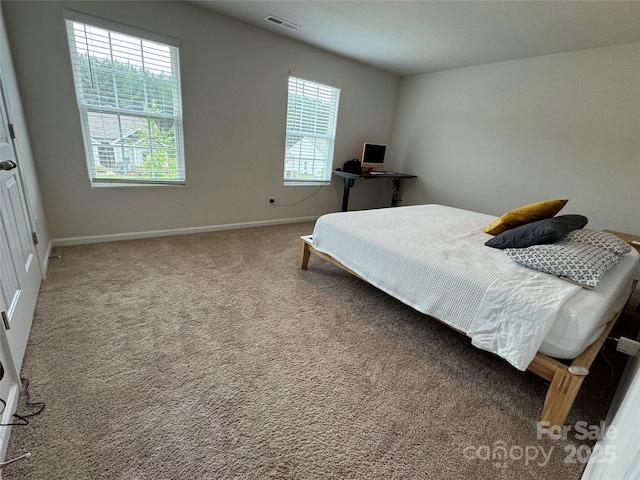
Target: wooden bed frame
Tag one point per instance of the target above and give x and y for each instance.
(566, 380)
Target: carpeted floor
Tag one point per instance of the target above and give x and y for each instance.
(212, 356)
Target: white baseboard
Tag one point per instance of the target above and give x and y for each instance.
(44, 266)
(63, 242)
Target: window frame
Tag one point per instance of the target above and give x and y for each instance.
(145, 119)
(296, 117)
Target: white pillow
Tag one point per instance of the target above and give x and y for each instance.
(576, 262)
(600, 239)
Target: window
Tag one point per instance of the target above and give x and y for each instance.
(128, 90)
(312, 114)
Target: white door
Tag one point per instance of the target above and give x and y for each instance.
(19, 273)
(9, 393)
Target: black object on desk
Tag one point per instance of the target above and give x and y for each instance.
(350, 178)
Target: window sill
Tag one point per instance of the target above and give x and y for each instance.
(307, 184)
(135, 184)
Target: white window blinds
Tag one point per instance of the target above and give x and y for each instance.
(312, 114)
(128, 90)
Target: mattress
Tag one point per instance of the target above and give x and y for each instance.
(583, 318)
(433, 258)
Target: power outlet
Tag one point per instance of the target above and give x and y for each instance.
(628, 346)
(272, 201)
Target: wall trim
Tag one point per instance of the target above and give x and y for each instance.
(68, 241)
(44, 264)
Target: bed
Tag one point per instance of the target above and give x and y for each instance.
(434, 259)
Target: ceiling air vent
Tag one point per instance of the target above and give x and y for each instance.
(280, 22)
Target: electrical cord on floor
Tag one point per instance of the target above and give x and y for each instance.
(23, 418)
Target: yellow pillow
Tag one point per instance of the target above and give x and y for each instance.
(527, 214)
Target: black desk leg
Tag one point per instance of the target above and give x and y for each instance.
(396, 192)
(348, 183)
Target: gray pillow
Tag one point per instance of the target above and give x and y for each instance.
(576, 262)
(605, 240)
(548, 230)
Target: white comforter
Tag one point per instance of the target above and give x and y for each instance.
(433, 258)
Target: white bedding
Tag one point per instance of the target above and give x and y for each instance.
(433, 258)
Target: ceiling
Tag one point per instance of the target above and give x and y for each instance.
(409, 37)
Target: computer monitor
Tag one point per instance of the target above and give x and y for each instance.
(372, 156)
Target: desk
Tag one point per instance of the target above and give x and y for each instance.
(350, 178)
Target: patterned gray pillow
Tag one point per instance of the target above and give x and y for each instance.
(576, 262)
(600, 239)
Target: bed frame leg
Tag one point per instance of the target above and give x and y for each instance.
(304, 254)
(560, 397)
(566, 381)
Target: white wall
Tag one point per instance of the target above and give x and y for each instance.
(22, 145)
(494, 137)
(234, 80)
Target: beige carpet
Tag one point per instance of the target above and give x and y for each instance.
(211, 356)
